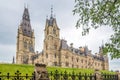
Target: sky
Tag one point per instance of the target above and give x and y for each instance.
(11, 12)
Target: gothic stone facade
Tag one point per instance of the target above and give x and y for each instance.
(56, 51)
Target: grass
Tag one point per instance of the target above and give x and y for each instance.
(12, 68)
(70, 70)
(29, 69)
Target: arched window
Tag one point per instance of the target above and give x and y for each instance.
(31, 49)
(25, 44)
(77, 59)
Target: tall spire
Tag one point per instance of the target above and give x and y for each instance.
(26, 14)
(25, 24)
(51, 11)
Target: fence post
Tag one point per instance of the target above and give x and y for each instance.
(41, 72)
(98, 75)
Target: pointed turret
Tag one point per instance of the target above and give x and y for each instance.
(52, 20)
(51, 27)
(25, 24)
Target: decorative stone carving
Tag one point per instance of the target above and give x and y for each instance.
(98, 75)
(41, 72)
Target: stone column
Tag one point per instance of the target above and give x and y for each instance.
(98, 75)
(41, 72)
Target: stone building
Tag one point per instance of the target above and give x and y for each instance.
(25, 40)
(56, 51)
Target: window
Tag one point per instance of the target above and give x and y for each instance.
(46, 55)
(55, 63)
(72, 58)
(67, 64)
(25, 44)
(88, 63)
(77, 59)
(31, 48)
(46, 47)
(55, 55)
(25, 31)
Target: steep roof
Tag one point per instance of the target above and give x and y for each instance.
(25, 24)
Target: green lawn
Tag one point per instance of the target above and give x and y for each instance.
(12, 68)
(29, 69)
(70, 70)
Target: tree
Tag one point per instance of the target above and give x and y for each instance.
(100, 13)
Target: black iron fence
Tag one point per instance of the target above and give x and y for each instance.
(110, 77)
(56, 75)
(17, 76)
(70, 76)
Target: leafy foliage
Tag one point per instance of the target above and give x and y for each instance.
(97, 13)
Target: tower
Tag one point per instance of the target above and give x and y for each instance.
(25, 40)
(105, 63)
(51, 41)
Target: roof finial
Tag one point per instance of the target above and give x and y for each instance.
(51, 10)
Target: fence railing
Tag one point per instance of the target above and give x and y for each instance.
(56, 75)
(17, 76)
(70, 76)
(110, 77)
